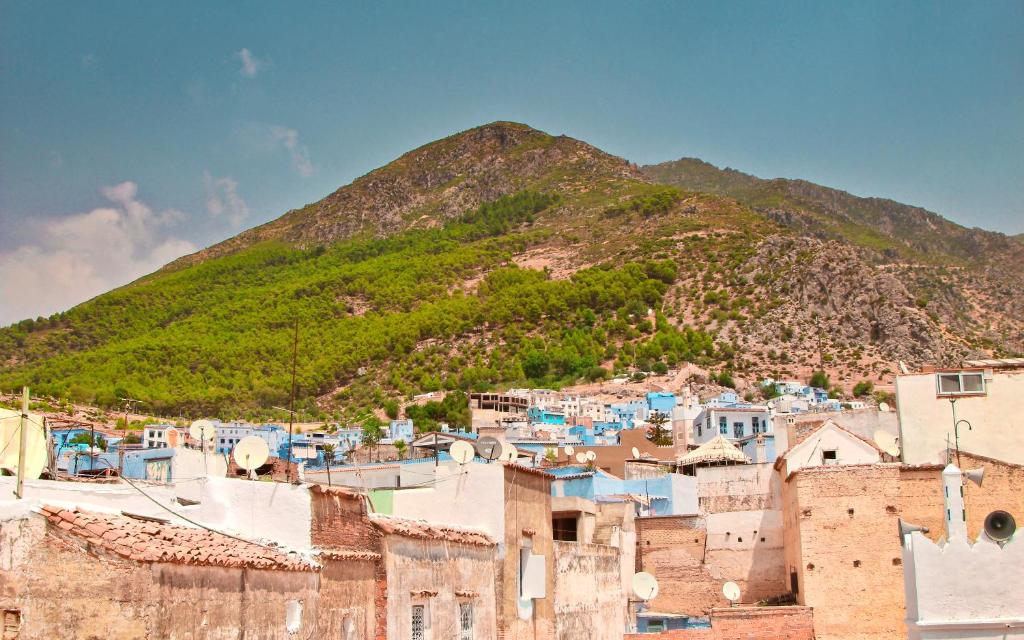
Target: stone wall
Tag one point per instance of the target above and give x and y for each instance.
(841, 543)
(745, 487)
(61, 586)
(746, 623)
(440, 575)
(588, 597)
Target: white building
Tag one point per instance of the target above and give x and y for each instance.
(161, 436)
(733, 423)
(986, 397)
(229, 433)
(955, 589)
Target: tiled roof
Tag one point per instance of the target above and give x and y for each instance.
(146, 541)
(427, 531)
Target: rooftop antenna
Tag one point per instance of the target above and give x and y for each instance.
(956, 429)
(581, 457)
(887, 443)
(731, 591)
(291, 401)
(636, 453)
(509, 454)
(645, 586)
(128, 402)
(250, 453)
(203, 431)
(569, 450)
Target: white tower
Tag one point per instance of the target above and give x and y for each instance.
(953, 491)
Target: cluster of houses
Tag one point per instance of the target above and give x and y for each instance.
(767, 520)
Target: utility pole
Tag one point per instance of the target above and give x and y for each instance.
(124, 436)
(19, 488)
(291, 402)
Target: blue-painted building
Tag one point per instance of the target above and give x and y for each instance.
(401, 430)
(538, 415)
(670, 494)
(662, 402)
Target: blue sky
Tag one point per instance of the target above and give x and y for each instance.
(134, 132)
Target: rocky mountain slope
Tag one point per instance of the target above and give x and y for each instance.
(506, 256)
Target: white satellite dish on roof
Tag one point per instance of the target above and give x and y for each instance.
(251, 452)
(581, 457)
(202, 430)
(488, 448)
(569, 449)
(591, 456)
(508, 453)
(36, 449)
(645, 586)
(883, 407)
(887, 442)
(461, 452)
(731, 591)
(636, 452)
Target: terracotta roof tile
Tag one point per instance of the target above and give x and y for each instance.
(149, 542)
(427, 531)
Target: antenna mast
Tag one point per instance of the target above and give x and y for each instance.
(19, 488)
(124, 435)
(291, 402)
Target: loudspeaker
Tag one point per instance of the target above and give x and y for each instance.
(975, 475)
(905, 529)
(999, 525)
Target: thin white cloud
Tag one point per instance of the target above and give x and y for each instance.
(298, 151)
(80, 256)
(251, 65)
(56, 159)
(88, 60)
(222, 199)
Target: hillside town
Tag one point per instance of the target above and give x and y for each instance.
(623, 510)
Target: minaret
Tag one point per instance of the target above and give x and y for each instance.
(953, 493)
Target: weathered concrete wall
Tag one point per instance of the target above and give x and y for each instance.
(62, 590)
(268, 510)
(439, 575)
(745, 487)
(693, 556)
(527, 524)
(926, 419)
(468, 495)
(841, 541)
(746, 623)
(589, 601)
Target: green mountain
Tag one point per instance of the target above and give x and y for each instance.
(506, 256)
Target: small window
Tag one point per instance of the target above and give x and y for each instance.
(829, 456)
(466, 621)
(737, 429)
(418, 626)
(723, 426)
(755, 424)
(564, 529)
(12, 624)
(961, 383)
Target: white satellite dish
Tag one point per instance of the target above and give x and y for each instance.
(883, 407)
(645, 586)
(887, 442)
(251, 452)
(202, 431)
(569, 449)
(591, 456)
(636, 452)
(461, 452)
(509, 454)
(581, 457)
(731, 591)
(36, 453)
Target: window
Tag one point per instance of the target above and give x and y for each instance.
(564, 529)
(723, 426)
(755, 424)
(829, 456)
(418, 622)
(12, 624)
(960, 383)
(700, 431)
(465, 621)
(737, 429)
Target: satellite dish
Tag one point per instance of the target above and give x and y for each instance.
(581, 457)
(636, 452)
(251, 452)
(731, 591)
(975, 475)
(771, 405)
(36, 449)
(203, 430)
(488, 448)
(569, 450)
(883, 407)
(591, 456)
(645, 586)
(461, 452)
(887, 442)
(509, 454)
